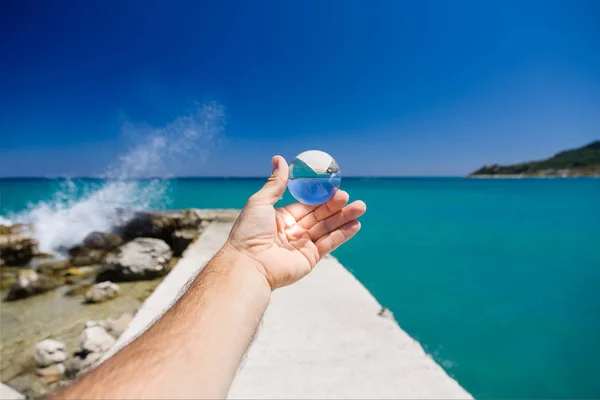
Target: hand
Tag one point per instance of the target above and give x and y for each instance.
(287, 242)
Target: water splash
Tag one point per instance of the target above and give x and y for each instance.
(77, 208)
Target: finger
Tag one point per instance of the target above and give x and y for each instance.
(272, 191)
(335, 204)
(333, 240)
(302, 211)
(347, 214)
(299, 210)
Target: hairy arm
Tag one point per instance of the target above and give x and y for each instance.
(195, 348)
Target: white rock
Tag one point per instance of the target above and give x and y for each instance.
(101, 292)
(90, 360)
(53, 373)
(49, 351)
(79, 364)
(29, 283)
(113, 326)
(116, 327)
(90, 323)
(95, 339)
(142, 258)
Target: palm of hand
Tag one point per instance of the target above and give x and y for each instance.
(289, 241)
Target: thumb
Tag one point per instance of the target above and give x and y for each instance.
(272, 191)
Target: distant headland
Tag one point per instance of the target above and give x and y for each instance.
(583, 161)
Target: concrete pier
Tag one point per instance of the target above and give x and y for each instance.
(320, 338)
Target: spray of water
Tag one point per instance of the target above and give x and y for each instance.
(135, 181)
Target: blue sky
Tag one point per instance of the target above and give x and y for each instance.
(387, 87)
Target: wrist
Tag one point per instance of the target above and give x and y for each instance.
(244, 264)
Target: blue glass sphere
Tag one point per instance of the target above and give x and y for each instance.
(314, 177)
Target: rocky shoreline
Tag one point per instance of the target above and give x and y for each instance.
(575, 163)
(530, 176)
(61, 313)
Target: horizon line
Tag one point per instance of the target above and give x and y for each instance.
(215, 177)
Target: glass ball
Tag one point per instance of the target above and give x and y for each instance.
(314, 177)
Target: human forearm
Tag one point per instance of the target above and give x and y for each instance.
(194, 350)
(182, 354)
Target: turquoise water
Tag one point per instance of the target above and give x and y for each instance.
(498, 279)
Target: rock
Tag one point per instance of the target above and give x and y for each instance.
(101, 323)
(17, 250)
(102, 241)
(53, 373)
(142, 258)
(116, 327)
(48, 352)
(81, 256)
(16, 229)
(101, 292)
(21, 229)
(43, 256)
(218, 214)
(53, 267)
(31, 386)
(77, 274)
(80, 363)
(62, 269)
(80, 288)
(94, 248)
(73, 275)
(163, 225)
(8, 276)
(149, 225)
(30, 283)
(89, 360)
(95, 339)
(182, 239)
(4, 230)
(190, 219)
(74, 365)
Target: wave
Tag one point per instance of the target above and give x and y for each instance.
(76, 210)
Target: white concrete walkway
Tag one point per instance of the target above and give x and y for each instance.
(320, 338)
(8, 393)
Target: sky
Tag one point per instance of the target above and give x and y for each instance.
(387, 87)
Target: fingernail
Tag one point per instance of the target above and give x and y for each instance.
(275, 162)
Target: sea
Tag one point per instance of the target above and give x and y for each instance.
(498, 279)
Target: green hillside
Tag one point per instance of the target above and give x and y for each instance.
(584, 161)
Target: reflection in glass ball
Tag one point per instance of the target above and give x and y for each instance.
(314, 177)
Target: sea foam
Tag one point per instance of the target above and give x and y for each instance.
(135, 181)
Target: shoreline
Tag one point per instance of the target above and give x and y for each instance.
(498, 176)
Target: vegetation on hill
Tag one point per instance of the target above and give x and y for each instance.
(584, 161)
